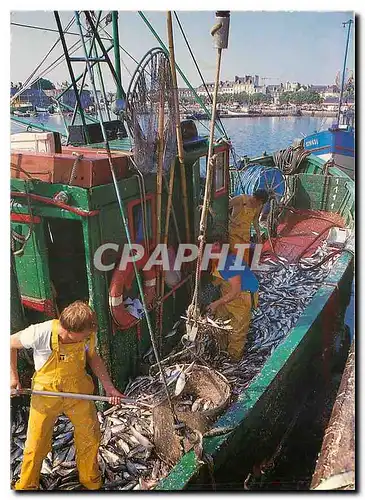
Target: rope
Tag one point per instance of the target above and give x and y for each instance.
(251, 180)
(289, 160)
(19, 237)
(79, 157)
(193, 310)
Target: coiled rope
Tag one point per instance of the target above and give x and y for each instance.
(255, 177)
(289, 160)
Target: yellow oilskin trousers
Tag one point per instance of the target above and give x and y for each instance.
(63, 371)
(239, 312)
(240, 226)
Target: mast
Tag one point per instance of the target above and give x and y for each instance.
(117, 52)
(349, 22)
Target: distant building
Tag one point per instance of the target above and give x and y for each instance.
(320, 89)
(226, 88)
(52, 92)
(331, 91)
(275, 91)
(291, 86)
(248, 84)
(186, 93)
(69, 98)
(201, 89)
(331, 103)
(36, 97)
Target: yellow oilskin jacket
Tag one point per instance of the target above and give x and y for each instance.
(65, 370)
(239, 311)
(240, 224)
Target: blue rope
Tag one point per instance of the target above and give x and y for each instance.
(254, 177)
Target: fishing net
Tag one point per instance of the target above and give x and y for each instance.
(150, 94)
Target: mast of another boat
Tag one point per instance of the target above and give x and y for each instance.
(118, 70)
(349, 22)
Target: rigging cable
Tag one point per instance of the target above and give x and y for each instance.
(198, 69)
(59, 60)
(25, 85)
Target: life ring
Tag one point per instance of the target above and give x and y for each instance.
(122, 280)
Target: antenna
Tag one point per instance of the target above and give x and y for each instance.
(349, 23)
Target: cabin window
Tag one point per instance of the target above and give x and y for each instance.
(203, 166)
(141, 220)
(220, 171)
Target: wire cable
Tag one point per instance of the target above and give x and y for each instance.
(198, 69)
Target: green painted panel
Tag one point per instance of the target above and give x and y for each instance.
(17, 318)
(98, 286)
(78, 196)
(32, 266)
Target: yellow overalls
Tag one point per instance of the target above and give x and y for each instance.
(63, 371)
(239, 312)
(240, 226)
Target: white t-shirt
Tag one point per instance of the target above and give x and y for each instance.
(38, 338)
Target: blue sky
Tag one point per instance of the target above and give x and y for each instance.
(297, 46)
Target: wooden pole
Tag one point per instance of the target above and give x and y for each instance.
(161, 122)
(180, 148)
(160, 155)
(209, 177)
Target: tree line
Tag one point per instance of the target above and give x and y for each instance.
(305, 97)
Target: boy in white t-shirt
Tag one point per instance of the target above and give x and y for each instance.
(61, 349)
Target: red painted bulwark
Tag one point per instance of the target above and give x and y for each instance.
(41, 305)
(92, 169)
(27, 219)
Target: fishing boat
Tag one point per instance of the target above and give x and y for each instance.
(75, 206)
(238, 113)
(336, 145)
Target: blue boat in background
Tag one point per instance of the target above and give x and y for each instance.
(336, 145)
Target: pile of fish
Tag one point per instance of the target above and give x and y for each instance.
(126, 457)
(284, 292)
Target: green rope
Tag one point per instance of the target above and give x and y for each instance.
(164, 48)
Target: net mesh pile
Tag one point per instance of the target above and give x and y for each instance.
(151, 89)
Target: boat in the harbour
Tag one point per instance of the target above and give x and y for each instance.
(22, 114)
(236, 113)
(336, 145)
(68, 205)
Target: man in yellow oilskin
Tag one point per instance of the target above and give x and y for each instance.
(245, 210)
(61, 349)
(239, 296)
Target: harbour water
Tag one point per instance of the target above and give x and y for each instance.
(250, 136)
